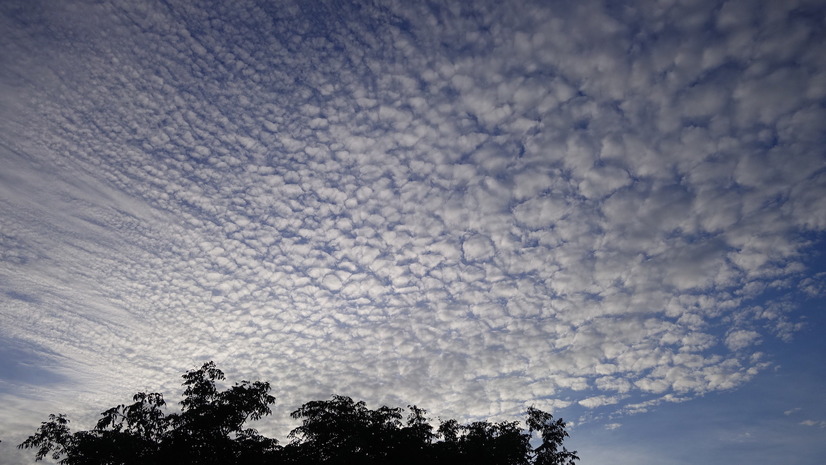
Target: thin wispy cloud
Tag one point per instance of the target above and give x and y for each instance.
(474, 208)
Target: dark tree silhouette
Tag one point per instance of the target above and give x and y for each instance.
(552, 433)
(210, 429)
(341, 431)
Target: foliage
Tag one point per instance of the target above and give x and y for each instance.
(210, 429)
(552, 433)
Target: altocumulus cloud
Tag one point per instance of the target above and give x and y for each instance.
(472, 207)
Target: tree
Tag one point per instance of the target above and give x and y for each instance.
(552, 433)
(210, 429)
(51, 438)
(341, 431)
(414, 441)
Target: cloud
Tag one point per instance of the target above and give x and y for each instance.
(469, 210)
(478, 248)
(814, 285)
(598, 401)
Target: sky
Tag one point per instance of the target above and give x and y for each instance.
(612, 211)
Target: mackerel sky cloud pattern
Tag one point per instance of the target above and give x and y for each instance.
(591, 206)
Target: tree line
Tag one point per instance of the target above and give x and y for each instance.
(211, 429)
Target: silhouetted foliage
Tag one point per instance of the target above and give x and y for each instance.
(552, 433)
(210, 429)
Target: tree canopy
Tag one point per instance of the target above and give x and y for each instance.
(211, 429)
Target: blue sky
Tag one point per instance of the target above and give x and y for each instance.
(609, 210)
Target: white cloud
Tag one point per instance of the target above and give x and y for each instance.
(741, 339)
(518, 204)
(478, 248)
(540, 212)
(598, 401)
